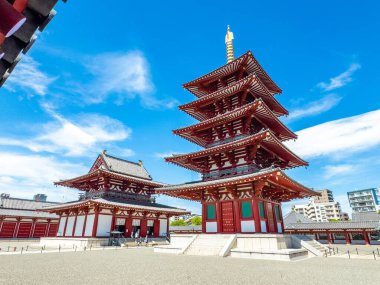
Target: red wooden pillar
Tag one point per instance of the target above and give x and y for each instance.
(281, 217)
(67, 219)
(218, 207)
(156, 227)
(328, 237)
(95, 226)
(75, 224)
(1, 223)
(31, 233)
(128, 225)
(15, 232)
(332, 238)
(167, 225)
(348, 239)
(143, 226)
(46, 234)
(204, 217)
(113, 222)
(85, 222)
(256, 215)
(366, 238)
(237, 215)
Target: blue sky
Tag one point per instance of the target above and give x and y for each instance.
(96, 80)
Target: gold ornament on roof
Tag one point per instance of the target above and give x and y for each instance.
(229, 45)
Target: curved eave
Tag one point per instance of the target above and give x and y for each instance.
(137, 208)
(247, 59)
(258, 108)
(275, 176)
(71, 183)
(256, 86)
(266, 139)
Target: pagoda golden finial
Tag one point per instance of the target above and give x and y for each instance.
(230, 47)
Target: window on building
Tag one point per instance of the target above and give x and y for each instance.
(246, 209)
(211, 213)
(277, 210)
(261, 209)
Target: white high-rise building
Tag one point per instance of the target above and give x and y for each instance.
(366, 200)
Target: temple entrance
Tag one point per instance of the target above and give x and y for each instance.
(270, 214)
(228, 225)
(136, 229)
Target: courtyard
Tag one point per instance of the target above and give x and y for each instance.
(142, 266)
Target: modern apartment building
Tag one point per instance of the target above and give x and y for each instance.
(366, 200)
(326, 196)
(322, 208)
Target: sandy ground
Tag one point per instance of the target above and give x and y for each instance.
(142, 266)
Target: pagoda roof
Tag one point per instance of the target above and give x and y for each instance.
(121, 166)
(258, 108)
(266, 139)
(274, 175)
(252, 82)
(73, 182)
(119, 203)
(247, 60)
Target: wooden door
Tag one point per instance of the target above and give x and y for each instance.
(228, 225)
(270, 214)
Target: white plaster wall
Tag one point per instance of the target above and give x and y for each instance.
(248, 226)
(61, 227)
(104, 225)
(279, 227)
(89, 225)
(211, 227)
(79, 226)
(70, 226)
(163, 227)
(263, 227)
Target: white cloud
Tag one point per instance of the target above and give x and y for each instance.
(124, 75)
(340, 80)
(78, 136)
(25, 175)
(339, 137)
(29, 78)
(337, 170)
(314, 108)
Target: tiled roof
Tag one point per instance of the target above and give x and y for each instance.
(26, 213)
(122, 166)
(122, 204)
(295, 218)
(332, 225)
(368, 216)
(22, 204)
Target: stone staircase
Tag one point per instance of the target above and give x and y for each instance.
(208, 244)
(311, 245)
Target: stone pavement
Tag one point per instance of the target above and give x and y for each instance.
(142, 266)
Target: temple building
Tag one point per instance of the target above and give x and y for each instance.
(243, 161)
(117, 197)
(20, 218)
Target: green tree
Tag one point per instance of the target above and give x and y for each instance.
(178, 223)
(196, 221)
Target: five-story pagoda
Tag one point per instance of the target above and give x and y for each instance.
(242, 163)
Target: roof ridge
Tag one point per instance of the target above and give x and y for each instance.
(122, 159)
(23, 199)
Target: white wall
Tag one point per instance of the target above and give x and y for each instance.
(163, 227)
(211, 227)
(70, 226)
(104, 225)
(89, 225)
(61, 227)
(263, 227)
(79, 226)
(247, 226)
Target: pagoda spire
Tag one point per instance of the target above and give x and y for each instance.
(229, 45)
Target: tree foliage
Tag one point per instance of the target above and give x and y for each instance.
(178, 223)
(196, 221)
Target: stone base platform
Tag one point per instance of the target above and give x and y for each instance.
(257, 246)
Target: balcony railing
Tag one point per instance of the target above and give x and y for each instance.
(231, 172)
